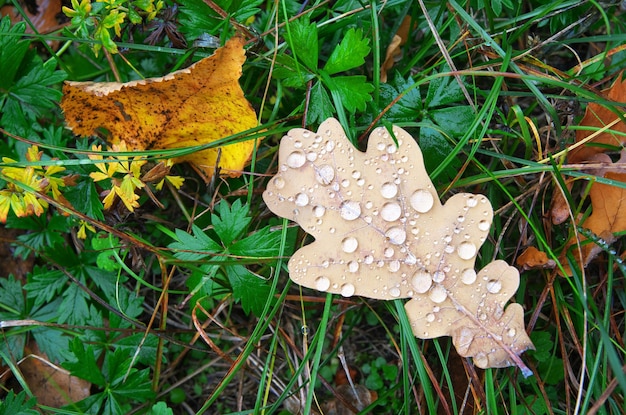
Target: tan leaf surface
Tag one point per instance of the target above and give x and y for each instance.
(381, 232)
(608, 214)
(394, 49)
(193, 106)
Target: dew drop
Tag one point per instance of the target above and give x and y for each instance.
(438, 294)
(369, 259)
(494, 286)
(394, 266)
(422, 200)
(468, 276)
(347, 290)
(296, 159)
(345, 182)
(350, 210)
(484, 225)
(318, 211)
(439, 276)
(322, 283)
(325, 174)
(301, 199)
(356, 174)
(388, 252)
(471, 201)
(481, 360)
(391, 211)
(353, 266)
(396, 235)
(391, 148)
(279, 182)
(330, 145)
(349, 244)
(512, 332)
(389, 190)
(430, 317)
(380, 146)
(394, 292)
(312, 156)
(421, 281)
(466, 250)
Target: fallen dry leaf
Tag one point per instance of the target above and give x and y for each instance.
(381, 232)
(51, 385)
(45, 16)
(189, 107)
(608, 216)
(532, 258)
(394, 49)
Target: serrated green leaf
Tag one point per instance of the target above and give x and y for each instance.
(85, 366)
(199, 245)
(262, 244)
(248, 288)
(408, 107)
(454, 121)
(84, 197)
(350, 53)
(303, 41)
(354, 91)
(12, 303)
(53, 343)
(443, 91)
(230, 223)
(320, 106)
(13, 404)
(73, 309)
(285, 70)
(13, 48)
(147, 353)
(435, 148)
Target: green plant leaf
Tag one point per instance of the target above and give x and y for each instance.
(13, 48)
(443, 91)
(263, 244)
(320, 105)
(160, 408)
(84, 197)
(303, 42)
(12, 303)
(353, 90)
(13, 404)
(435, 148)
(193, 247)
(53, 343)
(105, 245)
(73, 309)
(85, 366)
(350, 53)
(455, 121)
(230, 223)
(248, 288)
(408, 107)
(147, 353)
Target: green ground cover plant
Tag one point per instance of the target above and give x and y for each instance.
(171, 295)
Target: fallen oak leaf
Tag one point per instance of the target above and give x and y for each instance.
(190, 107)
(607, 216)
(532, 258)
(381, 232)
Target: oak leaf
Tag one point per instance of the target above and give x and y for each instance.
(608, 216)
(381, 232)
(532, 258)
(190, 107)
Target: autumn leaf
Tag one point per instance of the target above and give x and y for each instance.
(190, 107)
(532, 258)
(608, 215)
(381, 232)
(394, 49)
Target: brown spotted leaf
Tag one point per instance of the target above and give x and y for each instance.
(381, 232)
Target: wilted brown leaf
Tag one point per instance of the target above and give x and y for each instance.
(608, 216)
(190, 107)
(532, 258)
(394, 49)
(381, 232)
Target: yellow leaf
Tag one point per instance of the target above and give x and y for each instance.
(190, 107)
